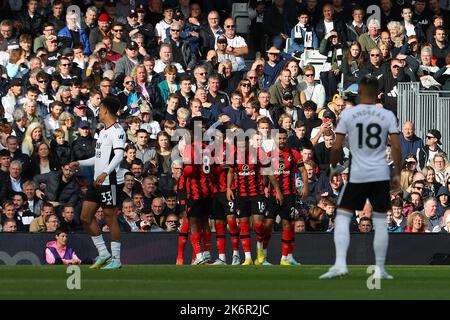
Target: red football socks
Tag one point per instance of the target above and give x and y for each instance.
(220, 237)
(234, 233)
(245, 236)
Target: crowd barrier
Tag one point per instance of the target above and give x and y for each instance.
(427, 109)
(161, 248)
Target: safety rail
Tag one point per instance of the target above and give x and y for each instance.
(426, 109)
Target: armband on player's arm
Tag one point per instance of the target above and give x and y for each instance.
(118, 157)
(87, 162)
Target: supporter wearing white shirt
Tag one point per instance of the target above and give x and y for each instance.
(236, 44)
(51, 121)
(166, 58)
(164, 24)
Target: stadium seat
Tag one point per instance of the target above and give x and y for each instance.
(239, 13)
(77, 11)
(288, 43)
(314, 58)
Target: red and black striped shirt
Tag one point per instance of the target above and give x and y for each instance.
(197, 172)
(223, 159)
(284, 165)
(247, 170)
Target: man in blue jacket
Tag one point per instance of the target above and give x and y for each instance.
(409, 142)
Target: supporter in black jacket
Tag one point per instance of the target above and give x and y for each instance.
(309, 117)
(31, 25)
(84, 146)
(57, 17)
(61, 152)
(388, 85)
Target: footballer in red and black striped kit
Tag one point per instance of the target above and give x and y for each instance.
(223, 209)
(285, 163)
(198, 185)
(248, 171)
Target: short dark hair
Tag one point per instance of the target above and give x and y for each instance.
(112, 104)
(141, 131)
(282, 131)
(138, 162)
(368, 86)
(299, 124)
(365, 219)
(309, 104)
(59, 231)
(397, 202)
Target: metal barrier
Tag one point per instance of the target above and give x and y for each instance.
(427, 109)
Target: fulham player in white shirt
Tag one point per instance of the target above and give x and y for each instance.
(109, 151)
(368, 128)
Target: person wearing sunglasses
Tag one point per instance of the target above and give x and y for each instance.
(118, 42)
(44, 97)
(244, 88)
(375, 65)
(181, 50)
(222, 54)
(310, 90)
(236, 45)
(388, 87)
(64, 72)
(426, 154)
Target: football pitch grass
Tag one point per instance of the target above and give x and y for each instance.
(170, 282)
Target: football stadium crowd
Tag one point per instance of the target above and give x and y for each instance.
(173, 61)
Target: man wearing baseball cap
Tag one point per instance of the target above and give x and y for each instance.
(126, 64)
(136, 24)
(426, 154)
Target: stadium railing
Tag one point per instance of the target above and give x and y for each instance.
(426, 109)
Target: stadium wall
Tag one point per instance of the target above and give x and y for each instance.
(161, 248)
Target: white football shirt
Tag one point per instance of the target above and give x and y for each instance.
(368, 127)
(109, 139)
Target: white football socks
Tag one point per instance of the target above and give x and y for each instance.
(342, 236)
(100, 245)
(381, 239)
(115, 250)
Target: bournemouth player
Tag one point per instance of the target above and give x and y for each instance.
(248, 170)
(109, 151)
(286, 162)
(223, 209)
(368, 128)
(197, 181)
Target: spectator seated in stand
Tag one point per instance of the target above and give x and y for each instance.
(57, 252)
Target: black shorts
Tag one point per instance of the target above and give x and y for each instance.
(222, 207)
(248, 206)
(199, 208)
(353, 196)
(286, 210)
(104, 196)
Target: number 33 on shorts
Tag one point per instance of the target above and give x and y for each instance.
(107, 197)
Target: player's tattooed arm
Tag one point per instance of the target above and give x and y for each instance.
(305, 189)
